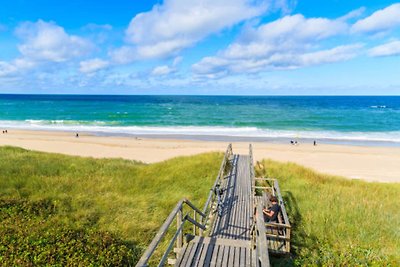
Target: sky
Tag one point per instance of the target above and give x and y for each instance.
(200, 47)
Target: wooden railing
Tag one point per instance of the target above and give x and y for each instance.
(178, 235)
(199, 225)
(262, 257)
(211, 196)
(280, 231)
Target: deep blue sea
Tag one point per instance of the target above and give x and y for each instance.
(346, 118)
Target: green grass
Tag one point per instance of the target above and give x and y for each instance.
(338, 222)
(63, 210)
(123, 199)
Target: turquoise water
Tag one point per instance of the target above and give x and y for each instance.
(338, 118)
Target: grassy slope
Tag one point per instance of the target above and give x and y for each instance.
(128, 199)
(339, 221)
(119, 204)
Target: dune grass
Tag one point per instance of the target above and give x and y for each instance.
(123, 199)
(338, 222)
(63, 210)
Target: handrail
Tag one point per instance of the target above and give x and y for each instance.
(178, 231)
(211, 195)
(163, 230)
(252, 176)
(195, 208)
(278, 190)
(262, 245)
(278, 225)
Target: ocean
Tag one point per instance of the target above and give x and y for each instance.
(332, 119)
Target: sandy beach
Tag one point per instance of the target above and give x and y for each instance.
(381, 164)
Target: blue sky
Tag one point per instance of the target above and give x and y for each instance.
(245, 47)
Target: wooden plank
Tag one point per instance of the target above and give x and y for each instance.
(243, 262)
(206, 255)
(194, 257)
(226, 256)
(231, 259)
(222, 241)
(185, 256)
(181, 255)
(237, 256)
(213, 261)
(220, 255)
(243, 201)
(262, 245)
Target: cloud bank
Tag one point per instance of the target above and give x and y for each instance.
(177, 24)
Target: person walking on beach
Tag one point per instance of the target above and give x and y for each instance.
(315, 143)
(272, 213)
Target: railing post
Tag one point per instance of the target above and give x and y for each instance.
(288, 241)
(179, 240)
(194, 226)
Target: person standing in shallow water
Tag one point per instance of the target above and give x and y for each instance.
(272, 213)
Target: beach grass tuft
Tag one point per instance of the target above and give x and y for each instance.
(337, 221)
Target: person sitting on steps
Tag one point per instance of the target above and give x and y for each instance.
(272, 213)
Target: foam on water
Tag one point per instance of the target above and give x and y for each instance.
(217, 131)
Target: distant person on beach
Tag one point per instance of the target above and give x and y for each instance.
(292, 142)
(272, 213)
(315, 143)
(77, 135)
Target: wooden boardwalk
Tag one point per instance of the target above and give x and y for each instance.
(229, 241)
(232, 235)
(236, 219)
(207, 251)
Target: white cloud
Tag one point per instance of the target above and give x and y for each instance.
(287, 6)
(162, 70)
(353, 14)
(176, 61)
(381, 20)
(178, 24)
(287, 43)
(46, 41)
(15, 66)
(389, 49)
(124, 54)
(93, 65)
(7, 69)
(336, 54)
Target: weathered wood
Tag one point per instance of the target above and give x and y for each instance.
(189, 250)
(262, 245)
(193, 253)
(179, 218)
(213, 261)
(229, 239)
(236, 220)
(209, 201)
(226, 256)
(231, 258)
